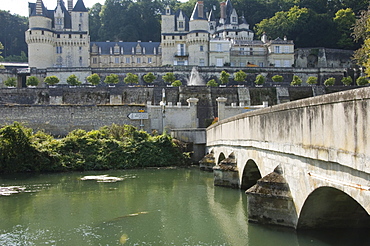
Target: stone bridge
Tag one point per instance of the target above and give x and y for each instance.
(304, 164)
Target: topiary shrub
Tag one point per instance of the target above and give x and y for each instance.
(212, 83)
(10, 82)
(296, 80)
(360, 81)
(347, 80)
(224, 77)
(329, 81)
(277, 78)
(73, 80)
(131, 79)
(51, 80)
(93, 79)
(111, 79)
(312, 80)
(260, 79)
(176, 83)
(32, 81)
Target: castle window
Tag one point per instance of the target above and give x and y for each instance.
(138, 60)
(70, 36)
(181, 24)
(79, 27)
(80, 60)
(286, 49)
(59, 50)
(149, 60)
(30, 32)
(116, 60)
(127, 59)
(201, 62)
(95, 60)
(58, 35)
(201, 48)
(196, 34)
(164, 37)
(180, 37)
(167, 11)
(81, 14)
(277, 49)
(173, 37)
(234, 19)
(81, 36)
(219, 47)
(42, 32)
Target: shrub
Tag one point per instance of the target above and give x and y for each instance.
(169, 77)
(111, 79)
(296, 80)
(93, 79)
(224, 77)
(131, 79)
(149, 77)
(240, 76)
(312, 80)
(73, 80)
(329, 81)
(32, 81)
(176, 83)
(10, 82)
(212, 83)
(277, 78)
(260, 79)
(362, 81)
(346, 80)
(51, 80)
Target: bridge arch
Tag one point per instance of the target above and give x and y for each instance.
(221, 157)
(328, 207)
(250, 175)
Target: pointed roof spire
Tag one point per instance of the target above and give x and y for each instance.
(80, 6)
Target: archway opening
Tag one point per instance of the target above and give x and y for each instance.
(251, 174)
(327, 207)
(221, 157)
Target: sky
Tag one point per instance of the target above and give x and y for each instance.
(21, 6)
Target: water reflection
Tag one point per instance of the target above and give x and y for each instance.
(149, 207)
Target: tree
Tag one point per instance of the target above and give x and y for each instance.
(131, 79)
(93, 79)
(347, 80)
(51, 80)
(73, 80)
(10, 82)
(312, 80)
(277, 78)
(32, 81)
(260, 79)
(296, 80)
(212, 83)
(111, 79)
(169, 77)
(361, 32)
(149, 77)
(240, 76)
(329, 81)
(1, 48)
(224, 77)
(360, 81)
(176, 83)
(345, 19)
(95, 21)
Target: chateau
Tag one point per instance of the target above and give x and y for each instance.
(60, 38)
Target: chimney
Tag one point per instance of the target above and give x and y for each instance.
(223, 10)
(39, 7)
(70, 5)
(200, 9)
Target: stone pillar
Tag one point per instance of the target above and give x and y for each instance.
(221, 107)
(193, 112)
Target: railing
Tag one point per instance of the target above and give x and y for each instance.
(181, 54)
(247, 53)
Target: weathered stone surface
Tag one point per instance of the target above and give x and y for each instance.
(207, 162)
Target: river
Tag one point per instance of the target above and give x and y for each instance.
(148, 207)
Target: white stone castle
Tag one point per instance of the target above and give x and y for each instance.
(60, 38)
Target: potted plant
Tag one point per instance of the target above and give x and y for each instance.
(131, 79)
(176, 83)
(111, 79)
(32, 81)
(329, 81)
(72, 80)
(10, 82)
(260, 80)
(169, 77)
(312, 80)
(93, 79)
(277, 78)
(224, 77)
(51, 80)
(347, 80)
(296, 81)
(240, 76)
(360, 81)
(212, 83)
(149, 78)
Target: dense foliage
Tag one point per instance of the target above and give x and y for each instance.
(113, 147)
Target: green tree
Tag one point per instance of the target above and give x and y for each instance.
(73, 80)
(51, 80)
(329, 81)
(260, 79)
(277, 78)
(111, 79)
(345, 19)
(224, 77)
(131, 79)
(176, 83)
(240, 76)
(93, 79)
(32, 81)
(360, 81)
(361, 32)
(149, 77)
(312, 80)
(169, 77)
(10, 82)
(1, 48)
(95, 22)
(296, 80)
(212, 83)
(347, 80)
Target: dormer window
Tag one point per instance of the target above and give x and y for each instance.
(181, 24)
(233, 19)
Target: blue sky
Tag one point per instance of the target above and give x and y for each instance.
(21, 6)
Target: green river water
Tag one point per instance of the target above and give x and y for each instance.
(149, 207)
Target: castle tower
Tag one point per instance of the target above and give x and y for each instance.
(197, 39)
(39, 36)
(58, 38)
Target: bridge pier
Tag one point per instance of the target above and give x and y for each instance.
(270, 201)
(226, 173)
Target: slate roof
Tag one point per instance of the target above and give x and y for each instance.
(195, 16)
(80, 6)
(127, 47)
(177, 14)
